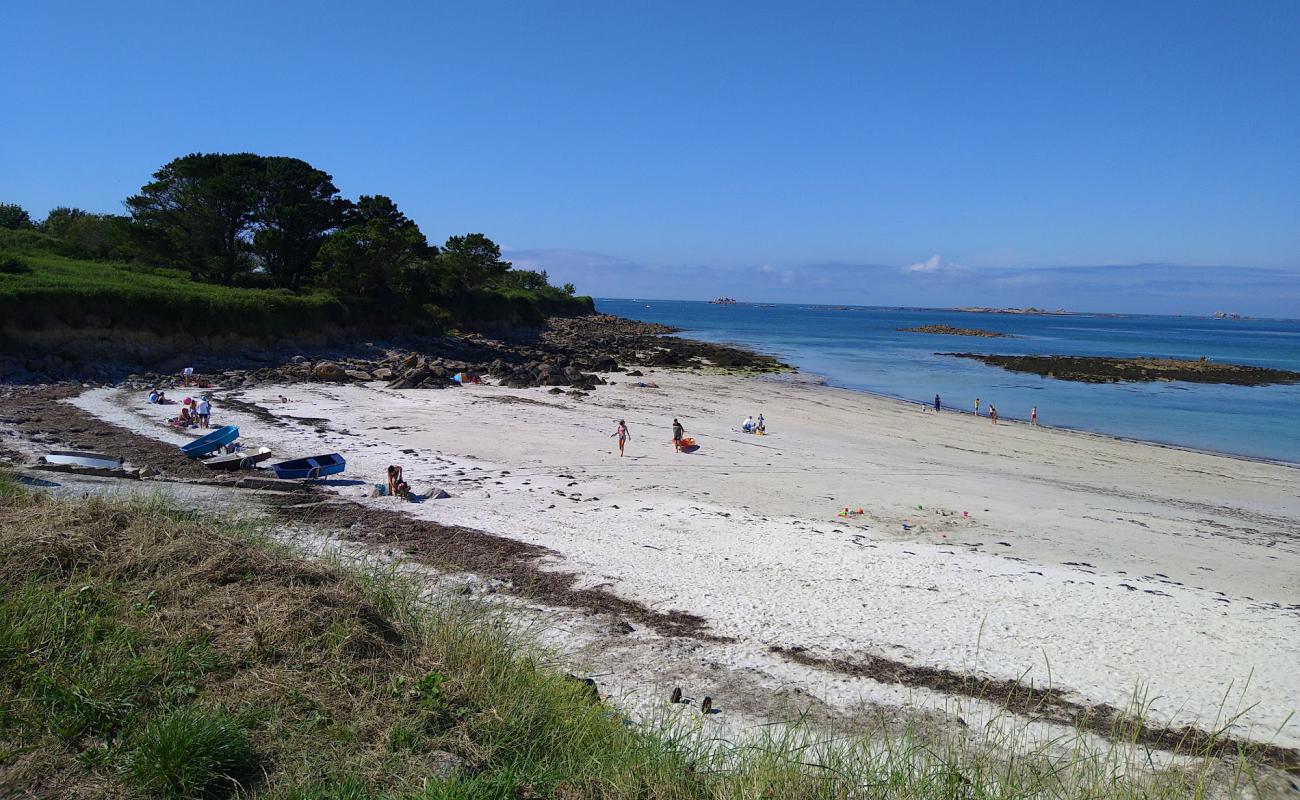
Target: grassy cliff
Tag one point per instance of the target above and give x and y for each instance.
(42, 292)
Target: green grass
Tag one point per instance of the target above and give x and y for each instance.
(40, 289)
(54, 289)
(192, 752)
(150, 652)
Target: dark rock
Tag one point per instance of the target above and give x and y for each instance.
(329, 371)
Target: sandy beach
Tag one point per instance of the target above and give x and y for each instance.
(1105, 569)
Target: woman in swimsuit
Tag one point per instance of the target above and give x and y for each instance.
(622, 433)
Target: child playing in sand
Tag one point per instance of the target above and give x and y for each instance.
(678, 433)
(394, 478)
(623, 435)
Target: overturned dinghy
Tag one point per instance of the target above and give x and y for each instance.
(240, 459)
(312, 467)
(212, 441)
(72, 458)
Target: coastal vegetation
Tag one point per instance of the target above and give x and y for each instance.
(250, 245)
(949, 330)
(147, 651)
(1105, 369)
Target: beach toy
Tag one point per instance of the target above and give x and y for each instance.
(920, 508)
(860, 511)
(906, 527)
(965, 514)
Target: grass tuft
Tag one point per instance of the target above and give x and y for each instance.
(192, 753)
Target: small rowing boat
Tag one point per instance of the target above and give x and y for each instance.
(73, 458)
(210, 442)
(238, 460)
(311, 467)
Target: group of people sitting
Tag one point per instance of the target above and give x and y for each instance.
(194, 414)
(750, 425)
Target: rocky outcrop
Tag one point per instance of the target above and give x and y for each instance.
(1099, 369)
(570, 353)
(949, 330)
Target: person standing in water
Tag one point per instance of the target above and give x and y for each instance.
(977, 406)
(1033, 415)
(936, 404)
(678, 433)
(622, 434)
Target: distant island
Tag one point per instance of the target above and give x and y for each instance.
(1029, 310)
(723, 301)
(1098, 369)
(949, 330)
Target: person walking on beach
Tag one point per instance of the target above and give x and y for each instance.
(1033, 415)
(977, 406)
(622, 434)
(993, 413)
(678, 433)
(936, 404)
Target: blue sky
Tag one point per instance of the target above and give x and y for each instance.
(765, 150)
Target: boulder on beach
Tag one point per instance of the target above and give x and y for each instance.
(410, 379)
(329, 371)
(359, 375)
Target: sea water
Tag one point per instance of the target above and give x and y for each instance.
(862, 348)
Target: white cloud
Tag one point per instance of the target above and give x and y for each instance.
(931, 264)
(767, 269)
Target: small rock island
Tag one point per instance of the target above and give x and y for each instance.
(1098, 369)
(953, 331)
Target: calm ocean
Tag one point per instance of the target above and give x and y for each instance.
(861, 348)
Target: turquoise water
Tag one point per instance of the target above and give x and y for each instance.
(861, 348)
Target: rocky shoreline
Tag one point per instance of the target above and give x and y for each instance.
(572, 352)
(949, 330)
(1098, 369)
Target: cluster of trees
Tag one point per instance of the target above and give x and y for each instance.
(251, 220)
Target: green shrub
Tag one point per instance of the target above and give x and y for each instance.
(13, 265)
(192, 753)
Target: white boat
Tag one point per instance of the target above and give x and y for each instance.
(75, 459)
(242, 459)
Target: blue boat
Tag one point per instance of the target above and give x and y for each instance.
(212, 441)
(313, 467)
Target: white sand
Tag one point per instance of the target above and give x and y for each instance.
(1104, 566)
